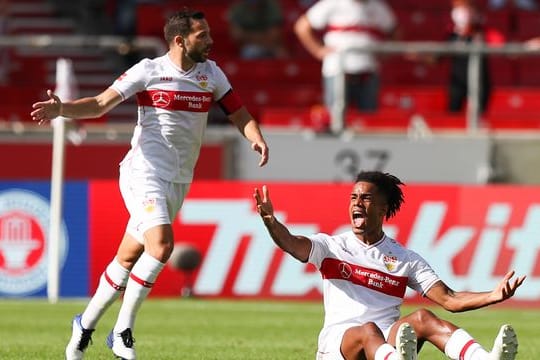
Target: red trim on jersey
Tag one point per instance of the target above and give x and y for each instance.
(230, 102)
(174, 100)
(359, 29)
(465, 348)
(114, 285)
(372, 279)
(141, 281)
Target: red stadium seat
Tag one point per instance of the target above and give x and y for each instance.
(276, 72)
(398, 71)
(381, 120)
(527, 25)
(445, 121)
(504, 71)
(422, 24)
(499, 20)
(414, 98)
(515, 100)
(528, 71)
(294, 117)
(513, 121)
(419, 4)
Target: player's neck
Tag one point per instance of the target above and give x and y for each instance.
(181, 60)
(370, 238)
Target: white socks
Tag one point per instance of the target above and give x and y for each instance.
(111, 284)
(461, 346)
(142, 278)
(386, 352)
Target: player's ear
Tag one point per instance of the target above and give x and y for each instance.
(179, 41)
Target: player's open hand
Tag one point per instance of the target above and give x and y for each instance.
(47, 110)
(264, 205)
(508, 286)
(262, 149)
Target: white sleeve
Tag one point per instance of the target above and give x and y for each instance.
(133, 80)
(222, 83)
(421, 277)
(318, 14)
(319, 249)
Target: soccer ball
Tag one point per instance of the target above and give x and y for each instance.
(185, 257)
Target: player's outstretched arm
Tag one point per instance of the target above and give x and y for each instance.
(298, 246)
(458, 301)
(249, 127)
(85, 108)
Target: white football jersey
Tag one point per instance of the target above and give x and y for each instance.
(363, 283)
(350, 23)
(173, 109)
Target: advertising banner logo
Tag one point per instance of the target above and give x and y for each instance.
(24, 239)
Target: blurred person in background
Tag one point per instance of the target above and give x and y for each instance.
(174, 93)
(365, 275)
(467, 26)
(256, 26)
(347, 24)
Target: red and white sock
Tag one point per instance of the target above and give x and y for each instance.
(462, 346)
(111, 284)
(386, 352)
(142, 278)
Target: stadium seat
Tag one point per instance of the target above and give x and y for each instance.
(528, 71)
(512, 121)
(278, 72)
(292, 117)
(527, 25)
(414, 98)
(422, 24)
(388, 120)
(515, 100)
(504, 71)
(397, 70)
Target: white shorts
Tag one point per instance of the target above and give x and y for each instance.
(330, 341)
(150, 200)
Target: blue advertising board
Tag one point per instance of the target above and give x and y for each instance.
(24, 239)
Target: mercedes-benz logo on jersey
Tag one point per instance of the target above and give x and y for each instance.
(345, 270)
(161, 99)
(24, 239)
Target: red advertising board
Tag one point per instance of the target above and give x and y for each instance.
(91, 161)
(471, 235)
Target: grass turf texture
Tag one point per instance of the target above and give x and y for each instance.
(217, 329)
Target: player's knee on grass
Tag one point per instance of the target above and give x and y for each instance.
(427, 324)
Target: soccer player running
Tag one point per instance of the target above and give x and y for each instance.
(174, 93)
(365, 275)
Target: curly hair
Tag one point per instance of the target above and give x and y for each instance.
(388, 185)
(180, 23)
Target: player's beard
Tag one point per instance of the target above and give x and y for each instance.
(196, 56)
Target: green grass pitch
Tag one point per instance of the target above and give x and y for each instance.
(221, 329)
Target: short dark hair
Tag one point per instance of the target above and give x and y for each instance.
(387, 184)
(180, 23)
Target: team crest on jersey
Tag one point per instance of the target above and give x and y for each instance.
(390, 262)
(24, 237)
(202, 79)
(149, 205)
